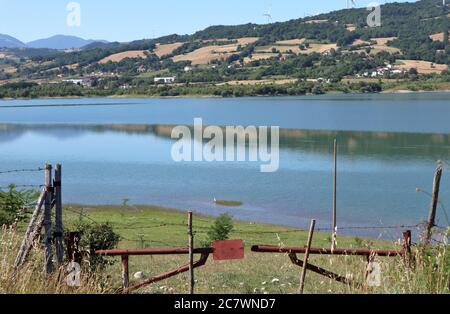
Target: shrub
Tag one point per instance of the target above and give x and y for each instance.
(221, 228)
(13, 204)
(97, 237)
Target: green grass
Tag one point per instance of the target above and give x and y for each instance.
(153, 227)
(147, 226)
(228, 203)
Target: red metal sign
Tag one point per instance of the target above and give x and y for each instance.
(228, 250)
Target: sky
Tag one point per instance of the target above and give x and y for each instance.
(123, 21)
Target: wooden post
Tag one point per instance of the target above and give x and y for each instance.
(48, 220)
(334, 230)
(407, 248)
(58, 215)
(308, 249)
(27, 241)
(125, 272)
(434, 203)
(191, 254)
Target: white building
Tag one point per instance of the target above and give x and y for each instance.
(165, 80)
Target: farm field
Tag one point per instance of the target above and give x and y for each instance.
(122, 55)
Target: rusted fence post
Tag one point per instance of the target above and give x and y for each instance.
(334, 231)
(308, 248)
(58, 215)
(125, 272)
(48, 220)
(191, 254)
(434, 202)
(407, 241)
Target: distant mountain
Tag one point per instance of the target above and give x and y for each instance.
(7, 41)
(62, 42)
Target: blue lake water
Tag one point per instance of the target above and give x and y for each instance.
(112, 149)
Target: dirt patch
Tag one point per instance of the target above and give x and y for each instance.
(259, 56)
(351, 27)
(247, 40)
(423, 67)
(437, 37)
(319, 48)
(290, 42)
(166, 49)
(122, 55)
(259, 82)
(207, 54)
(316, 22)
(280, 48)
(383, 41)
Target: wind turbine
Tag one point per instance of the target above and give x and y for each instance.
(351, 4)
(269, 15)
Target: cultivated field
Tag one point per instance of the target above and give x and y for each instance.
(259, 56)
(259, 82)
(319, 48)
(437, 37)
(290, 42)
(166, 49)
(423, 67)
(122, 55)
(207, 54)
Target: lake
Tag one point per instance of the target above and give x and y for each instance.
(116, 149)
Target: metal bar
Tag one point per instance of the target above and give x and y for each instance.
(169, 274)
(323, 272)
(318, 251)
(161, 251)
(308, 249)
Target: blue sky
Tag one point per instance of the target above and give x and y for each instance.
(136, 19)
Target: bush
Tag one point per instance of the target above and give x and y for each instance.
(221, 228)
(97, 237)
(13, 204)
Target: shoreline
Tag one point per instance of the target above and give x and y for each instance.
(244, 227)
(194, 96)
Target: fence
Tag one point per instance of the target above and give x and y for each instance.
(50, 201)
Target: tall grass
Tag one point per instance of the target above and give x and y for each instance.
(30, 278)
(429, 273)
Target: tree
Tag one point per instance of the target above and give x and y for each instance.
(13, 204)
(221, 228)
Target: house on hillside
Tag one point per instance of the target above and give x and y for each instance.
(165, 80)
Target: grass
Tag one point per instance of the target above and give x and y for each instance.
(228, 203)
(149, 226)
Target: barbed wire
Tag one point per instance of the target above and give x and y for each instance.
(22, 186)
(21, 170)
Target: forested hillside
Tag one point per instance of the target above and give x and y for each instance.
(333, 51)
